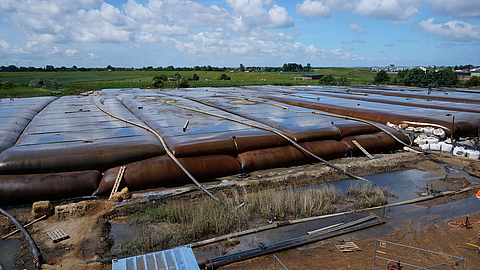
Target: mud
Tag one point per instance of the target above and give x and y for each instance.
(88, 223)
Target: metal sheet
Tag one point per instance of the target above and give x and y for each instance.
(181, 258)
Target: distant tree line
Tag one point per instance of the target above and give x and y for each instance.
(290, 67)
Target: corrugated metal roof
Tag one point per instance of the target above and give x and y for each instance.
(178, 258)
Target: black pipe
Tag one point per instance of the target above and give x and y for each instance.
(36, 253)
(262, 249)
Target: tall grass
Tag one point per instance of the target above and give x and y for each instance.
(367, 195)
(238, 210)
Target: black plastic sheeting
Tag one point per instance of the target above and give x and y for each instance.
(15, 115)
(18, 189)
(72, 134)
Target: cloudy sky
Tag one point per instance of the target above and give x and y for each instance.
(136, 33)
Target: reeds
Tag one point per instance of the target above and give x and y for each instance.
(366, 195)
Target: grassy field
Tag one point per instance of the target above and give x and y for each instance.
(74, 82)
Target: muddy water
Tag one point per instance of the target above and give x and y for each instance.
(8, 250)
(404, 184)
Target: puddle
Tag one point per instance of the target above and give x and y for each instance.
(8, 250)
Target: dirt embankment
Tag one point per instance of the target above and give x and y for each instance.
(88, 226)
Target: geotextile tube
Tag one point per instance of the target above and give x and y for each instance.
(465, 123)
(290, 156)
(373, 143)
(19, 189)
(16, 115)
(417, 102)
(163, 172)
(422, 94)
(36, 253)
(70, 134)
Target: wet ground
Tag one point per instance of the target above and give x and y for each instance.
(403, 184)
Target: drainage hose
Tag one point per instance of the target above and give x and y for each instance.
(358, 120)
(36, 253)
(169, 153)
(274, 131)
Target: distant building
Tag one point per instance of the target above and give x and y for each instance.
(475, 73)
(312, 76)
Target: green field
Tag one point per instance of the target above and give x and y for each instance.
(74, 82)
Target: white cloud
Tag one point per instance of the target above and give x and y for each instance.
(356, 27)
(248, 14)
(7, 48)
(466, 9)
(347, 48)
(399, 11)
(312, 9)
(452, 30)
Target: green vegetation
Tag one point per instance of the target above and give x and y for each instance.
(381, 77)
(79, 81)
(169, 223)
(366, 195)
(473, 82)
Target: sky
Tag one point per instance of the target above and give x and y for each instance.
(137, 33)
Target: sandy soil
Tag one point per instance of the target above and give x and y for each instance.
(88, 227)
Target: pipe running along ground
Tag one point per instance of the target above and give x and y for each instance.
(354, 119)
(272, 130)
(36, 253)
(169, 153)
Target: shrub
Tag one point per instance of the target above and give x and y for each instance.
(44, 83)
(159, 80)
(182, 83)
(224, 77)
(8, 84)
(474, 81)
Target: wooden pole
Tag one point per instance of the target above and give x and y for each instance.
(17, 230)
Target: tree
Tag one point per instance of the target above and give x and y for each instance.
(182, 82)
(381, 77)
(242, 68)
(308, 67)
(109, 67)
(328, 79)
(159, 80)
(414, 76)
(195, 77)
(224, 77)
(473, 81)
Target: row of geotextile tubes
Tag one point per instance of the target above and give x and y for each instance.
(55, 154)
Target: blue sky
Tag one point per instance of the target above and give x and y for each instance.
(136, 33)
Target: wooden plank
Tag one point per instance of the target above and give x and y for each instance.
(362, 149)
(348, 247)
